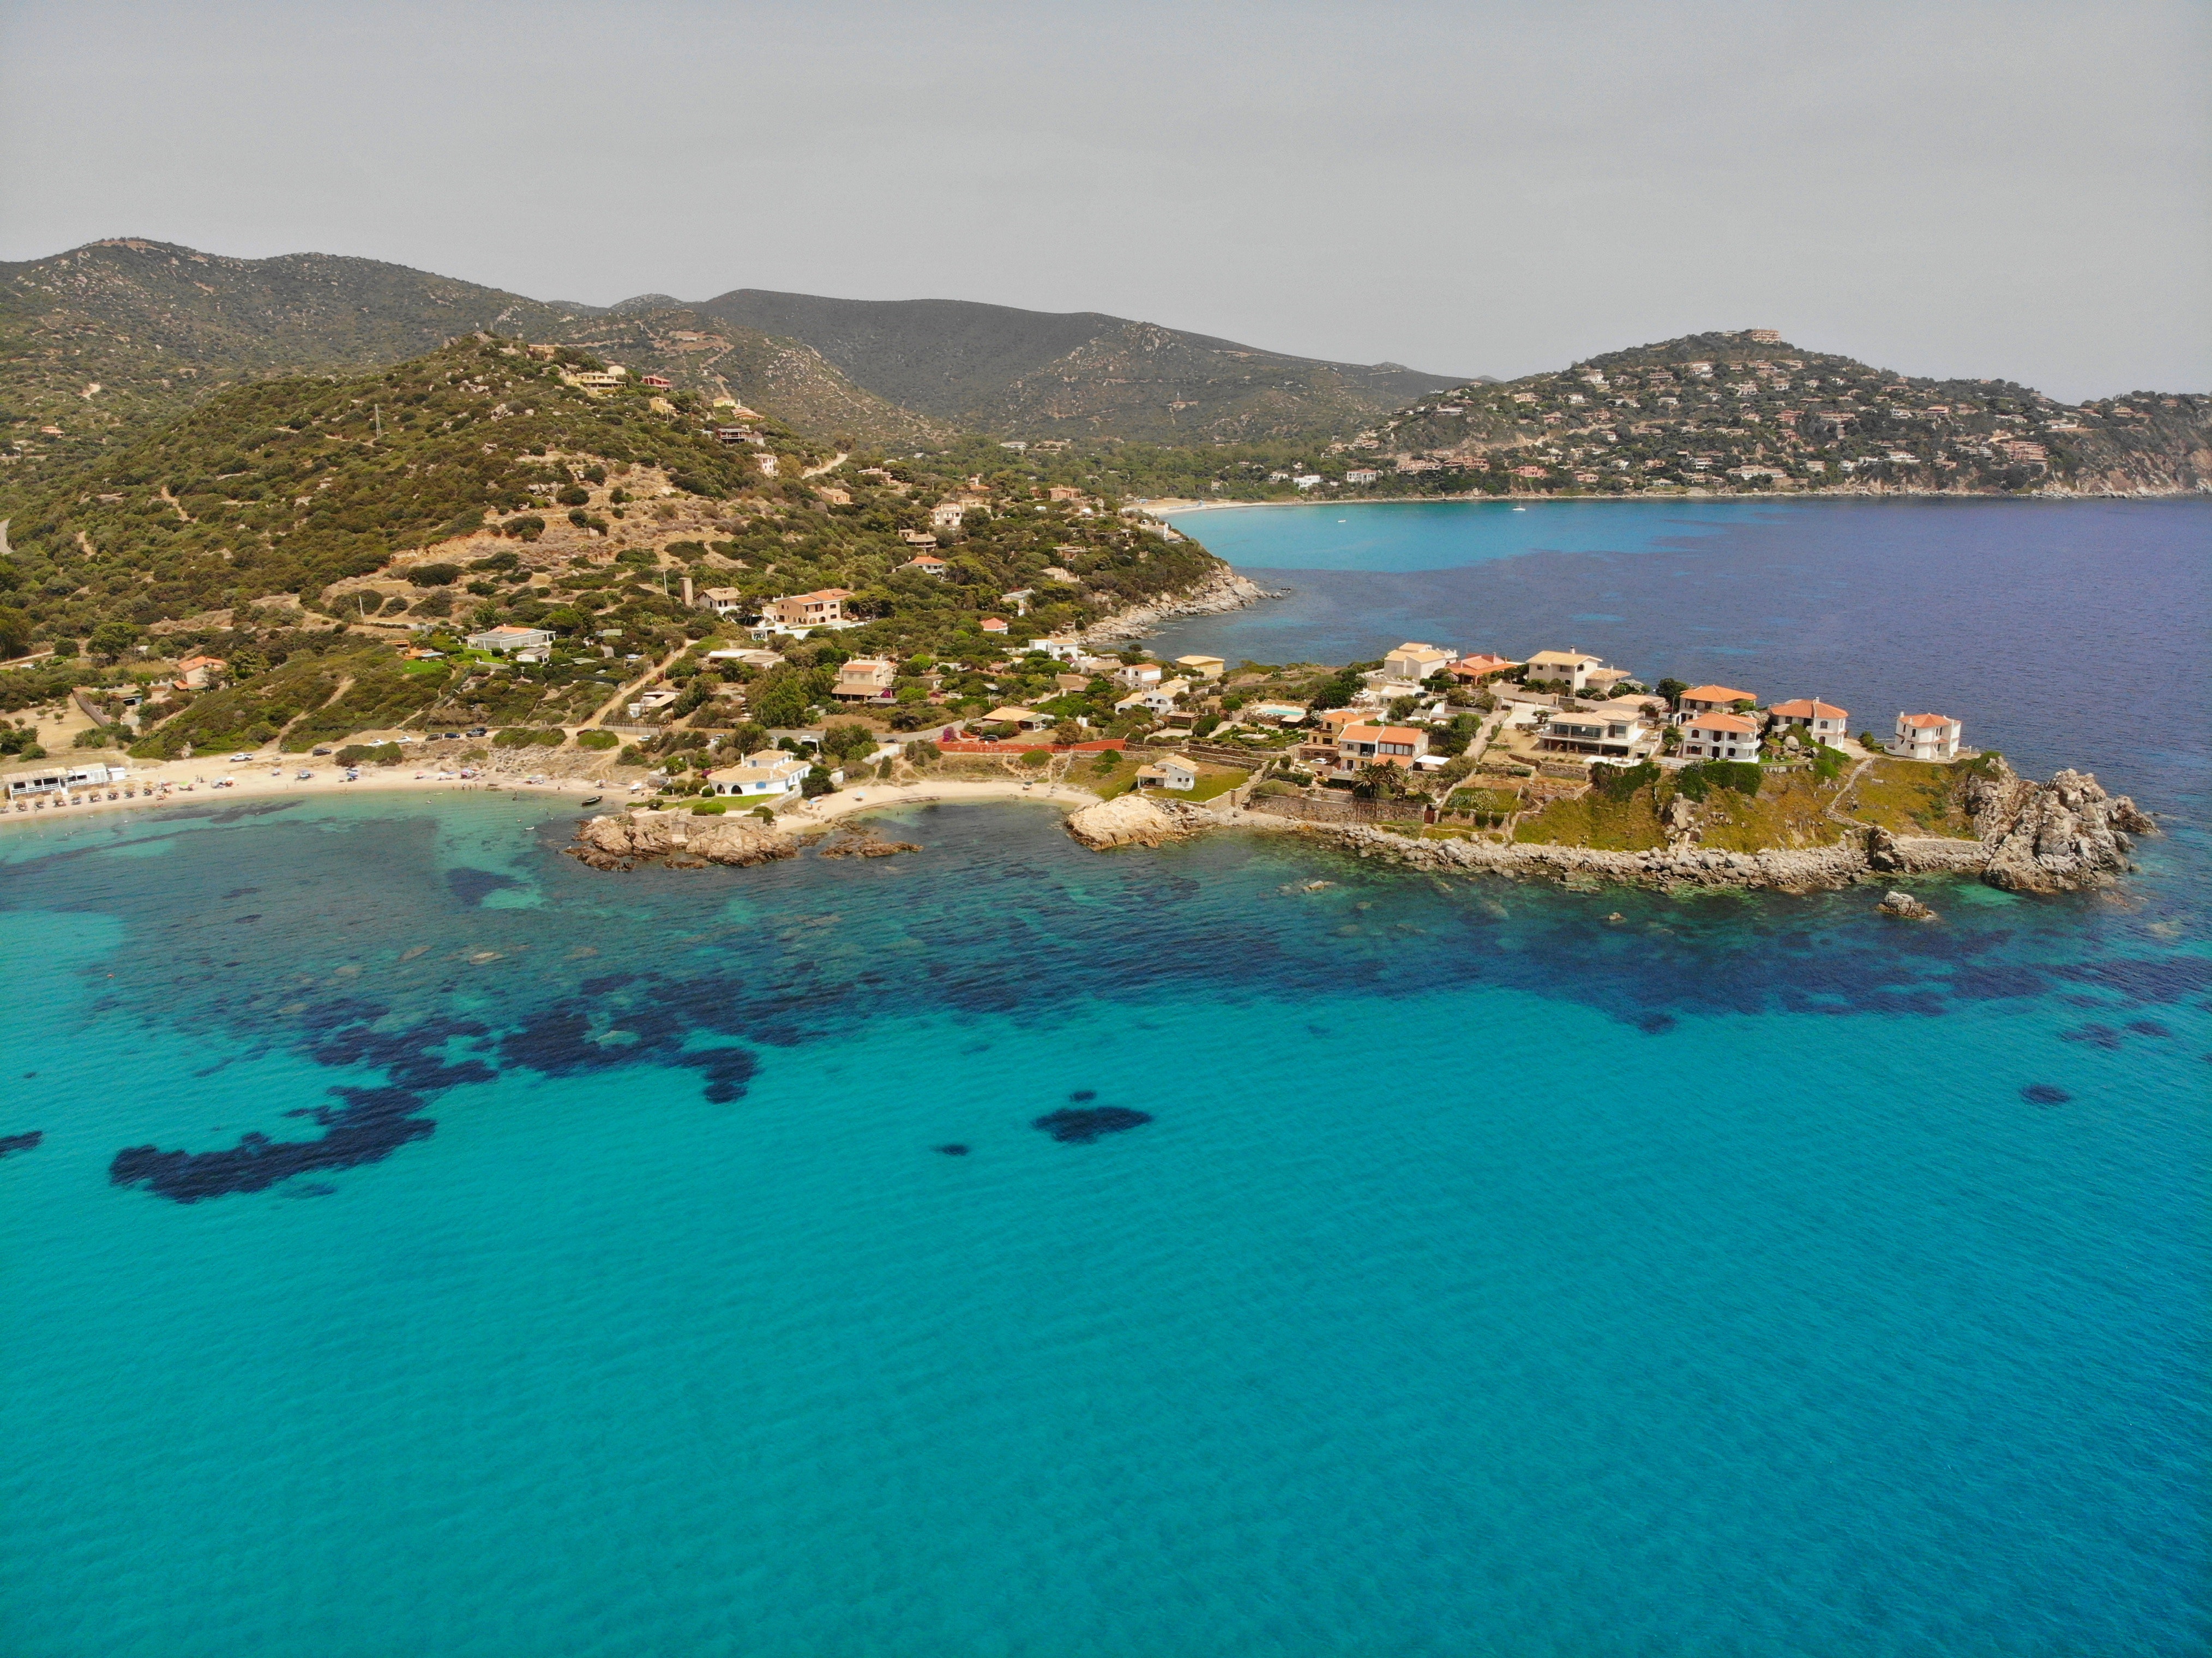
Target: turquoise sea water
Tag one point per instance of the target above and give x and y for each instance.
(1490, 1276)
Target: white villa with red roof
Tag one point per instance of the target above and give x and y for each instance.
(1926, 736)
(1720, 737)
(1710, 698)
(1823, 720)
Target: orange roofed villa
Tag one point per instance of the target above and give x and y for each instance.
(1710, 698)
(1472, 670)
(1823, 721)
(823, 608)
(1720, 737)
(1926, 736)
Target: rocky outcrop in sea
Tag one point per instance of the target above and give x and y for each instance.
(2054, 836)
(1137, 820)
(681, 840)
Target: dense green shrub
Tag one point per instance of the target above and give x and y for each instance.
(1618, 782)
(523, 736)
(597, 739)
(368, 753)
(1698, 780)
(434, 576)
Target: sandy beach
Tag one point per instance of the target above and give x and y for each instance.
(828, 808)
(155, 784)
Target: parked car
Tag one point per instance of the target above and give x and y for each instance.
(478, 731)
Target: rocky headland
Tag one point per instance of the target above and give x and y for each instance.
(2063, 835)
(1219, 592)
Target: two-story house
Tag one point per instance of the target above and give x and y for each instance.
(1154, 699)
(1613, 728)
(808, 610)
(1572, 669)
(1709, 699)
(1360, 745)
(1720, 737)
(1413, 662)
(865, 679)
(1926, 736)
(1823, 721)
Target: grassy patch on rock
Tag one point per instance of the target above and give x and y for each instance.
(1911, 796)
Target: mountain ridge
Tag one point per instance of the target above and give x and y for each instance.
(1049, 373)
(128, 328)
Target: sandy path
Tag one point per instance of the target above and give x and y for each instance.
(828, 808)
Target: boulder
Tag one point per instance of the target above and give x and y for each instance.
(1905, 906)
(864, 842)
(682, 839)
(1133, 819)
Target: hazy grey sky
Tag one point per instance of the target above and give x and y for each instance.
(2011, 188)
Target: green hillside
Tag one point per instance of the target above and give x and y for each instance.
(96, 342)
(1074, 374)
(303, 529)
(286, 486)
(779, 377)
(119, 330)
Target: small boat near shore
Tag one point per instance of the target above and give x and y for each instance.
(592, 799)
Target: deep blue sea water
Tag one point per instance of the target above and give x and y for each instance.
(1491, 1277)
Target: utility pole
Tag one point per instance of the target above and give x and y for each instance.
(376, 410)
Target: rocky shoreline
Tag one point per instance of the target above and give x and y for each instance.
(1221, 592)
(2065, 836)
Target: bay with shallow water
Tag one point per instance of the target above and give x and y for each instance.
(675, 1262)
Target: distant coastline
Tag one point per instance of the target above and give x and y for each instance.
(1176, 505)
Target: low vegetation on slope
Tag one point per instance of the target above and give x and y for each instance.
(1076, 375)
(124, 331)
(287, 486)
